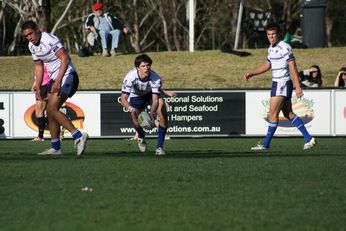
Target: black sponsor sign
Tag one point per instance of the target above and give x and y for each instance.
(191, 113)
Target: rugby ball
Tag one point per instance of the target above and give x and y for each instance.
(146, 120)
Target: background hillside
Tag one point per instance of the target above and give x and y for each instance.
(179, 70)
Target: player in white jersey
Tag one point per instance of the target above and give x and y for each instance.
(142, 87)
(47, 50)
(281, 60)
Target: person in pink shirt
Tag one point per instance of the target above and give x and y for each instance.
(41, 104)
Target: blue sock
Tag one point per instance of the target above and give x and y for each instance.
(270, 133)
(76, 134)
(56, 143)
(298, 122)
(141, 133)
(161, 137)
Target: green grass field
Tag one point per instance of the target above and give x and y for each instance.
(179, 70)
(202, 184)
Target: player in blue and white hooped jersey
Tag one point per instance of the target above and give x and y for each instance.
(281, 60)
(142, 87)
(46, 49)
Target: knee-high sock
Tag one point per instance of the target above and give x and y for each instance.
(41, 122)
(270, 133)
(141, 133)
(161, 136)
(298, 122)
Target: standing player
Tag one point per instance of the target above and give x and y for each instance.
(40, 106)
(142, 87)
(281, 60)
(47, 50)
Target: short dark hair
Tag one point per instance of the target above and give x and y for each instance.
(143, 58)
(29, 25)
(273, 26)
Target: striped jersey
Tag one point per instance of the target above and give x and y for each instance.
(279, 55)
(46, 50)
(136, 87)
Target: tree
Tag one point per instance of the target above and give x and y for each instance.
(157, 25)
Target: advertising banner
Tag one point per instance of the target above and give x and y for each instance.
(82, 109)
(204, 113)
(191, 113)
(340, 112)
(5, 119)
(314, 108)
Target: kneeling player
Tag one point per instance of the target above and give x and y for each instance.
(142, 87)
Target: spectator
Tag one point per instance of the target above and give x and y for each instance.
(340, 80)
(311, 78)
(294, 39)
(105, 25)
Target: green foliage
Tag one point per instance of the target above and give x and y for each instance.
(202, 184)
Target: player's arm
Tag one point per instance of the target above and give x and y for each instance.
(154, 105)
(124, 102)
(294, 71)
(64, 61)
(169, 93)
(134, 112)
(39, 78)
(261, 69)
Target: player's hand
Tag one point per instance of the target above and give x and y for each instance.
(153, 115)
(247, 75)
(299, 92)
(55, 87)
(38, 94)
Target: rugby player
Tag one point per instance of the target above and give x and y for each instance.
(142, 87)
(46, 49)
(281, 60)
(41, 104)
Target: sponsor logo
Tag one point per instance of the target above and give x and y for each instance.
(302, 107)
(72, 111)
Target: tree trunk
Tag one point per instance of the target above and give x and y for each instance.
(43, 15)
(135, 31)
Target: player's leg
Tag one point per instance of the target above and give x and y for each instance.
(67, 90)
(53, 105)
(162, 128)
(275, 106)
(41, 105)
(142, 144)
(41, 119)
(298, 122)
(139, 104)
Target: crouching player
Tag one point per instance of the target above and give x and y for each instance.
(142, 87)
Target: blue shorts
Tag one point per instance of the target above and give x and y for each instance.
(141, 102)
(284, 88)
(69, 85)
